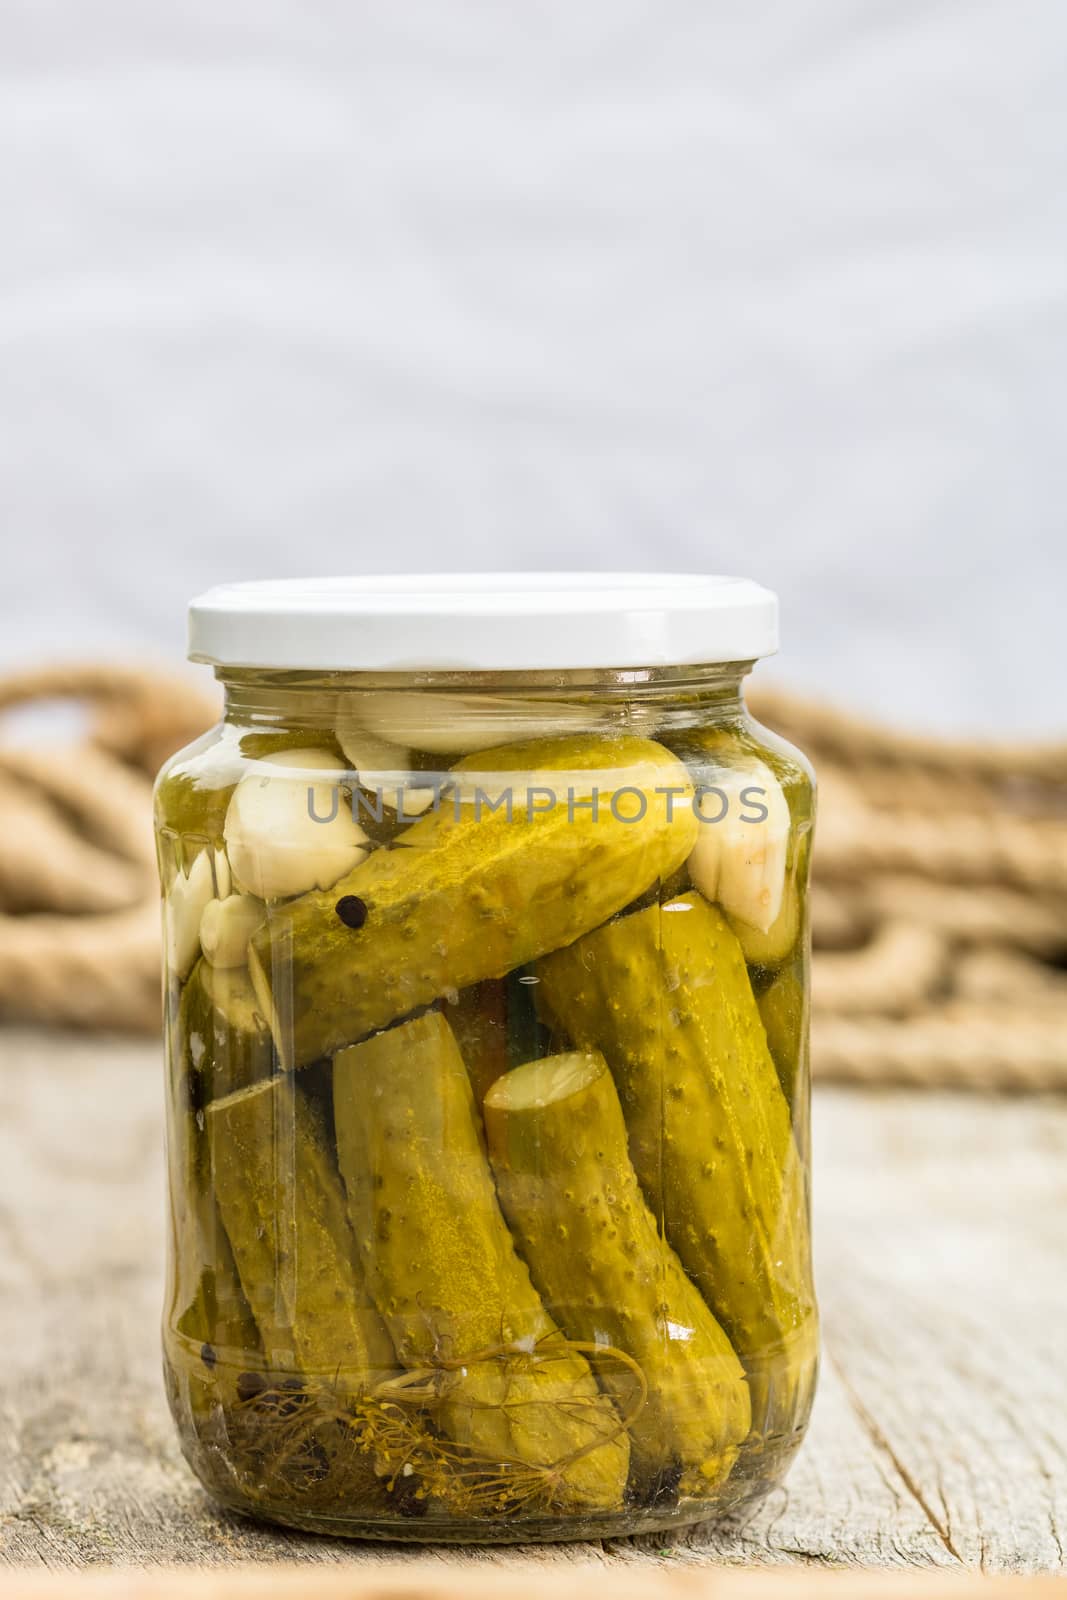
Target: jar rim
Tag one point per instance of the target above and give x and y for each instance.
(484, 621)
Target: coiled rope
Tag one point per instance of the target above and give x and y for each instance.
(79, 898)
(940, 899)
(939, 904)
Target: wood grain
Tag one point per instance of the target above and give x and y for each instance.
(939, 1434)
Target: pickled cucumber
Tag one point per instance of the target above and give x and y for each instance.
(466, 1321)
(279, 1344)
(469, 893)
(191, 1212)
(665, 995)
(281, 1200)
(783, 1006)
(557, 1141)
(258, 745)
(225, 1042)
(188, 806)
(219, 1339)
(209, 1330)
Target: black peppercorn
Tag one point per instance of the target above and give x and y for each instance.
(249, 1385)
(351, 910)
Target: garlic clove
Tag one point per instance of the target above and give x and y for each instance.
(453, 724)
(184, 906)
(381, 766)
(226, 927)
(289, 826)
(739, 859)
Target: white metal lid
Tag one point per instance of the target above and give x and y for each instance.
(484, 622)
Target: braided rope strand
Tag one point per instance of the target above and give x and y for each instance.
(939, 904)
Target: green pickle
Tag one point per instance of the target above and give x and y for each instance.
(783, 1008)
(210, 1336)
(186, 808)
(324, 1345)
(523, 1419)
(218, 1337)
(228, 1043)
(470, 894)
(665, 995)
(284, 1210)
(487, 1124)
(569, 1191)
(191, 1212)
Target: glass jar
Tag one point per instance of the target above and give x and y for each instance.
(486, 1035)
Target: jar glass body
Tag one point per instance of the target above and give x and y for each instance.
(487, 1094)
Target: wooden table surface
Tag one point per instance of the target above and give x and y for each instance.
(940, 1431)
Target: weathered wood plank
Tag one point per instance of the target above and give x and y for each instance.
(943, 1271)
(938, 1434)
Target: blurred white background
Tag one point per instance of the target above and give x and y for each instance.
(328, 285)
